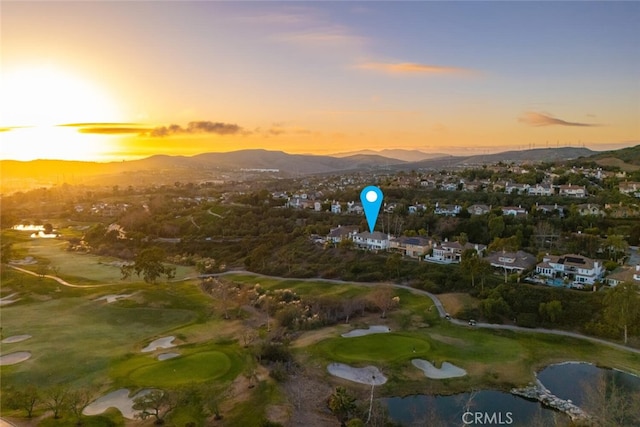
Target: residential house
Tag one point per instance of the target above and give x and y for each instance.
(624, 274)
(630, 188)
(451, 252)
(336, 208)
(514, 210)
(375, 241)
(414, 247)
(514, 187)
(355, 208)
(473, 186)
(413, 209)
(550, 209)
(575, 268)
(589, 209)
(570, 190)
(447, 210)
(449, 186)
(479, 209)
(512, 261)
(340, 233)
(542, 189)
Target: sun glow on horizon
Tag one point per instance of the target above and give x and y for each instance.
(36, 100)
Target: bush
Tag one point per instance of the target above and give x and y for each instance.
(527, 320)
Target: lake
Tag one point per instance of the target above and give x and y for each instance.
(495, 408)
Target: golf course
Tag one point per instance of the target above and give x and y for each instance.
(85, 337)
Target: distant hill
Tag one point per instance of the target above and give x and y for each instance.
(396, 154)
(522, 156)
(627, 159)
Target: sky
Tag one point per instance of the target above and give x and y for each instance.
(114, 80)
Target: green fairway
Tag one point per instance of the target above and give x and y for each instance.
(385, 348)
(198, 367)
(79, 268)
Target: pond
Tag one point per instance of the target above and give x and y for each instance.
(485, 407)
(576, 381)
(566, 381)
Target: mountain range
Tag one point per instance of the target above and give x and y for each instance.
(39, 172)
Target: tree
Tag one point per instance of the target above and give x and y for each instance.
(551, 310)
(6, 252)
(26, 398)
(56, 399)
(616, 246)
(496, 227)
(383, 298)
(342, 404)
(470, 264)
(609, 404)
(622, 307)
(393, 263)
(149, 263)
(78, 400)
(157, 404)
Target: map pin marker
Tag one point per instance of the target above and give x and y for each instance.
(371, 198)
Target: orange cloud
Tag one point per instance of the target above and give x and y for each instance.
(412, 68)
(538, 119)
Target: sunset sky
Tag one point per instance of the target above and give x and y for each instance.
(121, 80)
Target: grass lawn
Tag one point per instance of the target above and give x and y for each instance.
(303, 288)
(493, 359)
(78, 268)
(76, 340)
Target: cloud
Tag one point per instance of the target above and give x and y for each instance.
(278, 129)
(217, 128)
(539, 119)
(107, 128)
(412, 68)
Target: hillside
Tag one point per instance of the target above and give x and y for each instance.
(627, 159)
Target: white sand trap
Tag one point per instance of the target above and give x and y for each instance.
(375, 329)
(118, 399)
(29, 260)
(447, 370)
(9, 299)
(359, 375)
(113, 298)
(164, 342)
(15, 338)
(13, 358)
(165, 356)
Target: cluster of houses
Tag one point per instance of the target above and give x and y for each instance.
(569, 270)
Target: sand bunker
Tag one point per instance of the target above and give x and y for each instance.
(113, 298)
(367, 375)
(29, 260)
(164, 342)
(165, 356)
(375, 329)
(15, 338)
(446, 371)
(118, 399)
(13, 358)
(9, 299)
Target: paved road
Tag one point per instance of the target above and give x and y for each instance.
(438, 304)
(442, 312)
(57, 279)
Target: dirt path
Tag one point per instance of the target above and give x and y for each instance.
(57, 279)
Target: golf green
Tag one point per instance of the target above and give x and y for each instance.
(375, 348)
(196, 367)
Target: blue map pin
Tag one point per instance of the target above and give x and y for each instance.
(371, 198)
